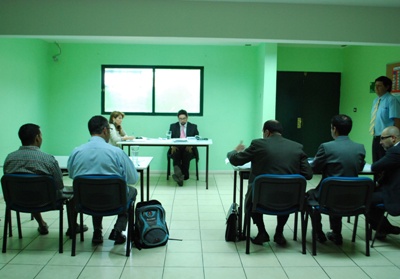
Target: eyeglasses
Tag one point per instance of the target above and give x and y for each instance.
(382, 138)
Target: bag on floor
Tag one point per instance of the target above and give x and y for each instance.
(232, 232)
(150, 226)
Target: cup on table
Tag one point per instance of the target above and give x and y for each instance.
(169, 134)
(135, 154)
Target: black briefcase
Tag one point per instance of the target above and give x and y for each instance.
(232, 232)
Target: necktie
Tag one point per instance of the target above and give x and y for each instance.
(373, 117)
(183, 132)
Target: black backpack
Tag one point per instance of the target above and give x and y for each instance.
(150, 226)
(232, 232)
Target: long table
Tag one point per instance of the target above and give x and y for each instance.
(170, 142)
(244, 172)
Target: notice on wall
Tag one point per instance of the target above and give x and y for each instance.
(393, 72)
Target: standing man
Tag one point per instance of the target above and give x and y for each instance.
(181, 155)
(97, 157)
(273, 154)
(385, 112)
(30, 159)
(388, 191)
(340, 157)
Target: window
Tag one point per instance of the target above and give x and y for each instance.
(160, 90)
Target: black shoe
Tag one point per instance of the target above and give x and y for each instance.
(394, 230)
(43, 229)
(335, 238)
(118, 237)
(97, 237)
(77, 229)
(260, 238)
(177, 179)
(280, 239)
(321, 238)
(381, 235)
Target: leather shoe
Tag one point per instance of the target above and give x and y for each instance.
(118, 237)
(335, 238)
(321, 238)
(279, 239)
(260, 238)
(394, 230)
(77, 229)
(177, 179)
(97, 237)
(380, 235)
(43, 229)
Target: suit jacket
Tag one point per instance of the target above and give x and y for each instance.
(273, 155)
(340, 157)
(390, 181)
(191, 130)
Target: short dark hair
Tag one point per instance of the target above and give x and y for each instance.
(273, 126)
(182, 111)
(387, 82)
(28, 132)
(96, 124)
(343, 124)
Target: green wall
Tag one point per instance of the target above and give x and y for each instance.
(61, 96)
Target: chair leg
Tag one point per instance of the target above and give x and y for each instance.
(61, 235)
(296, 217)
(7, 220)
(81, 224)
(367, 232)
(10, 225)
(197, 169)
(378, 229)
(313, 234)
(19, 225)
(131, 221)
(303, 233)
(247, 224)
(348, 219)
(168, 167)
(353, 239)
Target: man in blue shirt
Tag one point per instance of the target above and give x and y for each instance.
(97, 157)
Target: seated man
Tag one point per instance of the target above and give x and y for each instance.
(340, 157)
(273, 154)
(388, 191)
(97, 157)
(181, 155)
(30, 159)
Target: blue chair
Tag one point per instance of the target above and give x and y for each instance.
(102, 195)
(274, 194)
(344, 197)
(31, 193)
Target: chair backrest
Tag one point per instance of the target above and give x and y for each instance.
(29, 192)
(273, 192)
(100, 194)
(345, 195)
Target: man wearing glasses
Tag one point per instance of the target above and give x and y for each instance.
(181, 155)
(388, 190)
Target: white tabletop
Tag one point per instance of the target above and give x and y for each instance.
(247, 167)
(62, 161)
(166, 142)
(142, 163)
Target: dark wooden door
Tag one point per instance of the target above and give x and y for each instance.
(305, 104)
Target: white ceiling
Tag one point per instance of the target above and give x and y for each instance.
(370, 3)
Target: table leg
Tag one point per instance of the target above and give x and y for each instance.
(148, 182)
(234, 185)
(241, 231)
(141, 185)
(207, 167)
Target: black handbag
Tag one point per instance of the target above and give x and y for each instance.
(232, 233)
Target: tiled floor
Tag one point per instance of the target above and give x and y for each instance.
(196, 217)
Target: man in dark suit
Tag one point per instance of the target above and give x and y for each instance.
(273, 154)
(388, 191)
(340, 157)
(181, 155)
